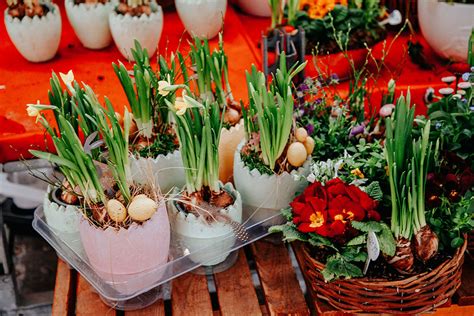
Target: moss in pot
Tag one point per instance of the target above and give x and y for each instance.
(34, 28)
(266, 164)
(207, 213)
(208, 79)
(153, 141)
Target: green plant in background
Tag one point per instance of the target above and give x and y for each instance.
(277, 8)
(198, 127)
(272, 110)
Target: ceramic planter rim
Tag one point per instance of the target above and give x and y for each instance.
(53, 9)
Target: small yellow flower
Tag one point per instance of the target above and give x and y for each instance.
(162, 85)
(356, 172)
(68, 79)
(317, 220)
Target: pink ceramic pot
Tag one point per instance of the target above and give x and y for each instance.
(130, 259)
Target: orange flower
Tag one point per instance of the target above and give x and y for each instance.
(317, 9)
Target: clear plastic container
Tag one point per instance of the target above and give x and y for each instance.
(128, 292)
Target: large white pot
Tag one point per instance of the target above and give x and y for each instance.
(90, 22)
(167, 171)
(446, 27)
(265, 195)
(202, 18)
(255, 7)
(144, 28)
(230, 139)
(60, 216)
(192, 233)
(37, 39)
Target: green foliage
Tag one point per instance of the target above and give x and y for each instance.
(253, 161)
(369, 157)
(374, 190)
(384, 235)
(451, 220)
(162, 145)
(341, 266)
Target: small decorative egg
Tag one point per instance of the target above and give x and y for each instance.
(309, 145)
(142, 208)
(297, 154)
(301, 134)
(116, 210)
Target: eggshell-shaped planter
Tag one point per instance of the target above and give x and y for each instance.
(90, 22)
(60, 216)
(193, 233)
(146, 29)
(167, 171)
(230, 139)
(255, 7)
(265, 195)
(123, 256)
(202, 18)
(446, 27)
(37, 39)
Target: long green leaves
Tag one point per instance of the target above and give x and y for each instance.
(407, 160)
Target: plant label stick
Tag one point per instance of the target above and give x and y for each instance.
(373, 249)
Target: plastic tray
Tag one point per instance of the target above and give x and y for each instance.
(142, 289)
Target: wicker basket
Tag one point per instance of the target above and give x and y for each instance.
(416, 294)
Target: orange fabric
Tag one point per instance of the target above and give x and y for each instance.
(27, 82)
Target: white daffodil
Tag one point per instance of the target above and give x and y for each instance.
(162, 85)
(34, 110)
(180, 105)
(68, 80)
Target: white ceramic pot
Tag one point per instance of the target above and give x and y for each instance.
(202, 18)
(255, 7)
(446, 27)
(146, 29)
(230, 139)
(129, 259)
(91, 22)
(59, 215)
(265, 195)
(193, 233)
(167, 171)
(37, 39)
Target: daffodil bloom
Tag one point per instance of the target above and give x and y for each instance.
(34, 110)
(68, 80)
(180, 105)
(162, 85)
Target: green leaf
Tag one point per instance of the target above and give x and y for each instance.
(457, 242)
(289, 231)
(287, 213)
(374, 191)
(354, 254)
(387, 242)
(367, 226)
(316, 240)
(359, 240)
(337, 267)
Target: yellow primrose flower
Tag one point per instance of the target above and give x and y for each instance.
(162, 85)
(68, 79)
(356, 172)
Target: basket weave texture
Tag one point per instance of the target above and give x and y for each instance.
(416, 294)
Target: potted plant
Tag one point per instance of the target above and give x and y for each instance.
(446, 26)
(208, 22)
(348, 253)
(121, 221)
(206, 213)
(140, 20)
(90, 21)
(208, 79)
(266, 163)
(153, 142)
(34, 28)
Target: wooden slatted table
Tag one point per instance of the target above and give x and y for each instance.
(265, 280)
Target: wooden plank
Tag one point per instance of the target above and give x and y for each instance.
(280, 285)
(235, 290)
(190, 296)
(466, 290)
(454, 310)
(156, 309)
(88, 302)
(63, 290)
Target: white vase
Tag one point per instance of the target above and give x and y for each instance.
(263, 195)
(255, 7)
(37, 39)
(145, 28)
(191, 233)
(446, 27)
(230, 139)
(60, 216)
(167, 171)
(202, 18)
(91, 22)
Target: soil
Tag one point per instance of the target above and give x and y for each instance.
(20, 10)
(357, 40)
(123, 8)
(380, 269)
(206, 203)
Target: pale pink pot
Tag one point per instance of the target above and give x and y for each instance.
(129, 259)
